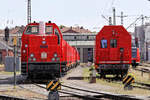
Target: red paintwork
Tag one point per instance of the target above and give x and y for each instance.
(137, 59)
(112, 55)
(138, 56)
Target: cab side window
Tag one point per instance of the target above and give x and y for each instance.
(113, 43)
(57, 34)
(103, 43)
(32, 30)
(28, 30)
(49, 29)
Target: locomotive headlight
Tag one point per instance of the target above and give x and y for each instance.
(53, 59)
(55, 54)
(34, 59)
(26, 45)
(24, 51)
(43, 42)
(32, 55)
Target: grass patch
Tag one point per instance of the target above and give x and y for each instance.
(139, 78)
(116, 86)
(9, 73)
(1, 65)
(86, 73)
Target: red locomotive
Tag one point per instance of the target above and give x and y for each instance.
(113, 51)
(135, 56)
(44, 53)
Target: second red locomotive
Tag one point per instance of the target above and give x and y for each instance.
(113, 51)
(44, 53)
(135, 56)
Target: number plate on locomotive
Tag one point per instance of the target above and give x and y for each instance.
(43, 55)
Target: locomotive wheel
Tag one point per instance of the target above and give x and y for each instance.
(102, 75)
(122, 75)
(117, 76)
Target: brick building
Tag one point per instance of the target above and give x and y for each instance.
(4, 49)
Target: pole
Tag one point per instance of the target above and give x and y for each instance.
(121, 18)
(14, 66)
(142, 20)
(114, 16)
(29, 12)
(110, 21)
(15, 43)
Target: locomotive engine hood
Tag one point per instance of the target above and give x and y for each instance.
(42, 48)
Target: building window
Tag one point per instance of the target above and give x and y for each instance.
(103, 43)
(113, 43)
(90, 54)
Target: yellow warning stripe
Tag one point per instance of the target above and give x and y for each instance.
(125, 78)
(129, 79)
(54, 86)
(49, 84)
(59, 88)
(132, 81)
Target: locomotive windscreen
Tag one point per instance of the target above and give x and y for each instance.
(49, 29)
(32, 30)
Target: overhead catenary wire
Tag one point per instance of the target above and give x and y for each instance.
(134, 22)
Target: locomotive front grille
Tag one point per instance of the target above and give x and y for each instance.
(44, 67)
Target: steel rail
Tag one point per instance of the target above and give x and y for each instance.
(107, 95)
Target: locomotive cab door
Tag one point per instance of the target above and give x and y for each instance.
(113, 50)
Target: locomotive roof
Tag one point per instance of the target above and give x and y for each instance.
(117, 28)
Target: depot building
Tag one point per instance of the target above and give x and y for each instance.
(84, 42)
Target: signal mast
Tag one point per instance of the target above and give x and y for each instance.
(29, 12)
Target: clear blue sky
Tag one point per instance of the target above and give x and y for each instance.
(86, 13)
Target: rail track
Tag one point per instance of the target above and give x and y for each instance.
(145, 70)
(96, 95)
(78, 92)
(86, 94)
(142, 85)
(135, 84)
(6, 97)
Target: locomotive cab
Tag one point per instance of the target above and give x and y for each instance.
(41, 50)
